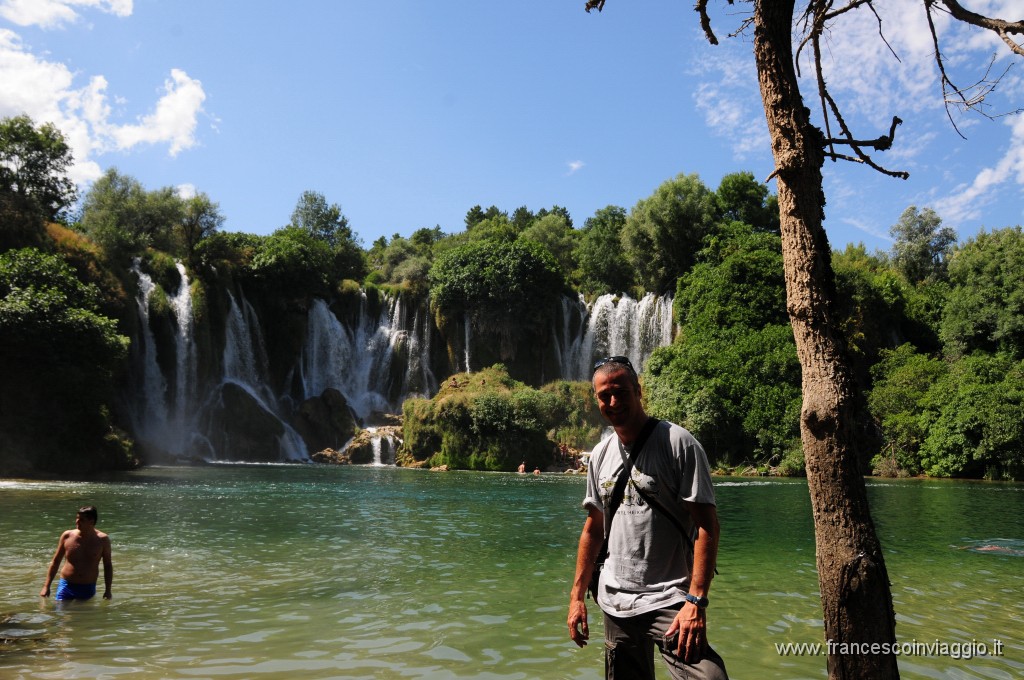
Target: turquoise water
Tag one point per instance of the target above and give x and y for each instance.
(376, 572)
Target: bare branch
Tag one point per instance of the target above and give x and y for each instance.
(1000, 27)
(882, 143)
(705, 21)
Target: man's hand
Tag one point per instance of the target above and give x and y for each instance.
(691, 625)
(579, 631)
(106, 595)
(45, 592)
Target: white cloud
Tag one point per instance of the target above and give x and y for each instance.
(47, 92)
(728, 98)
(867, 228)
(57, 13)
(967, 199)
(186, 191)
(574, 166)
(173, 121)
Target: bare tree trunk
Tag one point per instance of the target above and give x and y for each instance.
(855, 595)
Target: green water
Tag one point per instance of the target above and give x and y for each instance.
(371, 572)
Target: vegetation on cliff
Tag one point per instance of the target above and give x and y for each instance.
(488, 421)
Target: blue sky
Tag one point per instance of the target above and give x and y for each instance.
(407, 113)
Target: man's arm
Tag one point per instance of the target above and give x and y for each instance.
(54, 566)
(591, 540)
(108, 568)
(690, 621)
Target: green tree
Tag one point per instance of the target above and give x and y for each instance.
(34, 185)
(324, 222)
(494, 281)
(741, 198)
(973, 418)
(424, 239)
(294, 264)
(737, 391)
(476, 215)
(603, 267)
(555, 233)
(922, 245)
(58, 356)
(664, 232)
(327, 224)
(34, 163)
(201, 218)
(124, 219)
(732, 375)
(522, 217)
(902, 381)
(985, 308)
(738, 282)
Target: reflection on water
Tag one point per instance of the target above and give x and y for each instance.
(370, 572)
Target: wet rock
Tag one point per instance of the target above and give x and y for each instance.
(325, 422)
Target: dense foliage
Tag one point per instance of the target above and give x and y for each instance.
(34, 186)
(495, 282)
(935, 328)
(732, 376)
(488, 421)
(58, 357)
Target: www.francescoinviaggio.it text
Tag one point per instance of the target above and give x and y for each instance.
(953, 650)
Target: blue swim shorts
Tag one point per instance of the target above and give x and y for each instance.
(74, 591)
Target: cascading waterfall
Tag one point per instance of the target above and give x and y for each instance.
(358, 361)
(185, 355)
(245, 365)
(612, 325)
(383, 444)
(150, 410)
(377, 360)
(468, 338)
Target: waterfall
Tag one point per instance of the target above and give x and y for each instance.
(150, 399)
(383, 444)
(468, 338)
(185, 354)
(377, 359)
(245, 359)
(245, 364)
(358, 361)
(612, 325)
(168, 426)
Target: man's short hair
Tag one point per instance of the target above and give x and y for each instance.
(614, 365)
(89, 512)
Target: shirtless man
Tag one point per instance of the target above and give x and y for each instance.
(81, 549)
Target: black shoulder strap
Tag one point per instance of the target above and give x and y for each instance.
(620, 483)
(657, 505)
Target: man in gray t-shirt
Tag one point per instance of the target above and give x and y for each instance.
(654, 585)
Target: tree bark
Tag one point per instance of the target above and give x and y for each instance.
(855, 595)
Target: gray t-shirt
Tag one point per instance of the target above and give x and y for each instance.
(648, 565)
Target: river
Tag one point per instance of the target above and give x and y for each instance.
(309, 571)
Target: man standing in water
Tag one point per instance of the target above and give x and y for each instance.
(81, 548)
(653, 588)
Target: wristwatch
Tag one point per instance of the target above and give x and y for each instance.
(701, 602)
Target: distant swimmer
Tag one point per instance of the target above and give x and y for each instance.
(81, 550)
(1014, 549)
(522, 467)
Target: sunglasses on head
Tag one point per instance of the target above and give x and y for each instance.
(619, 359)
